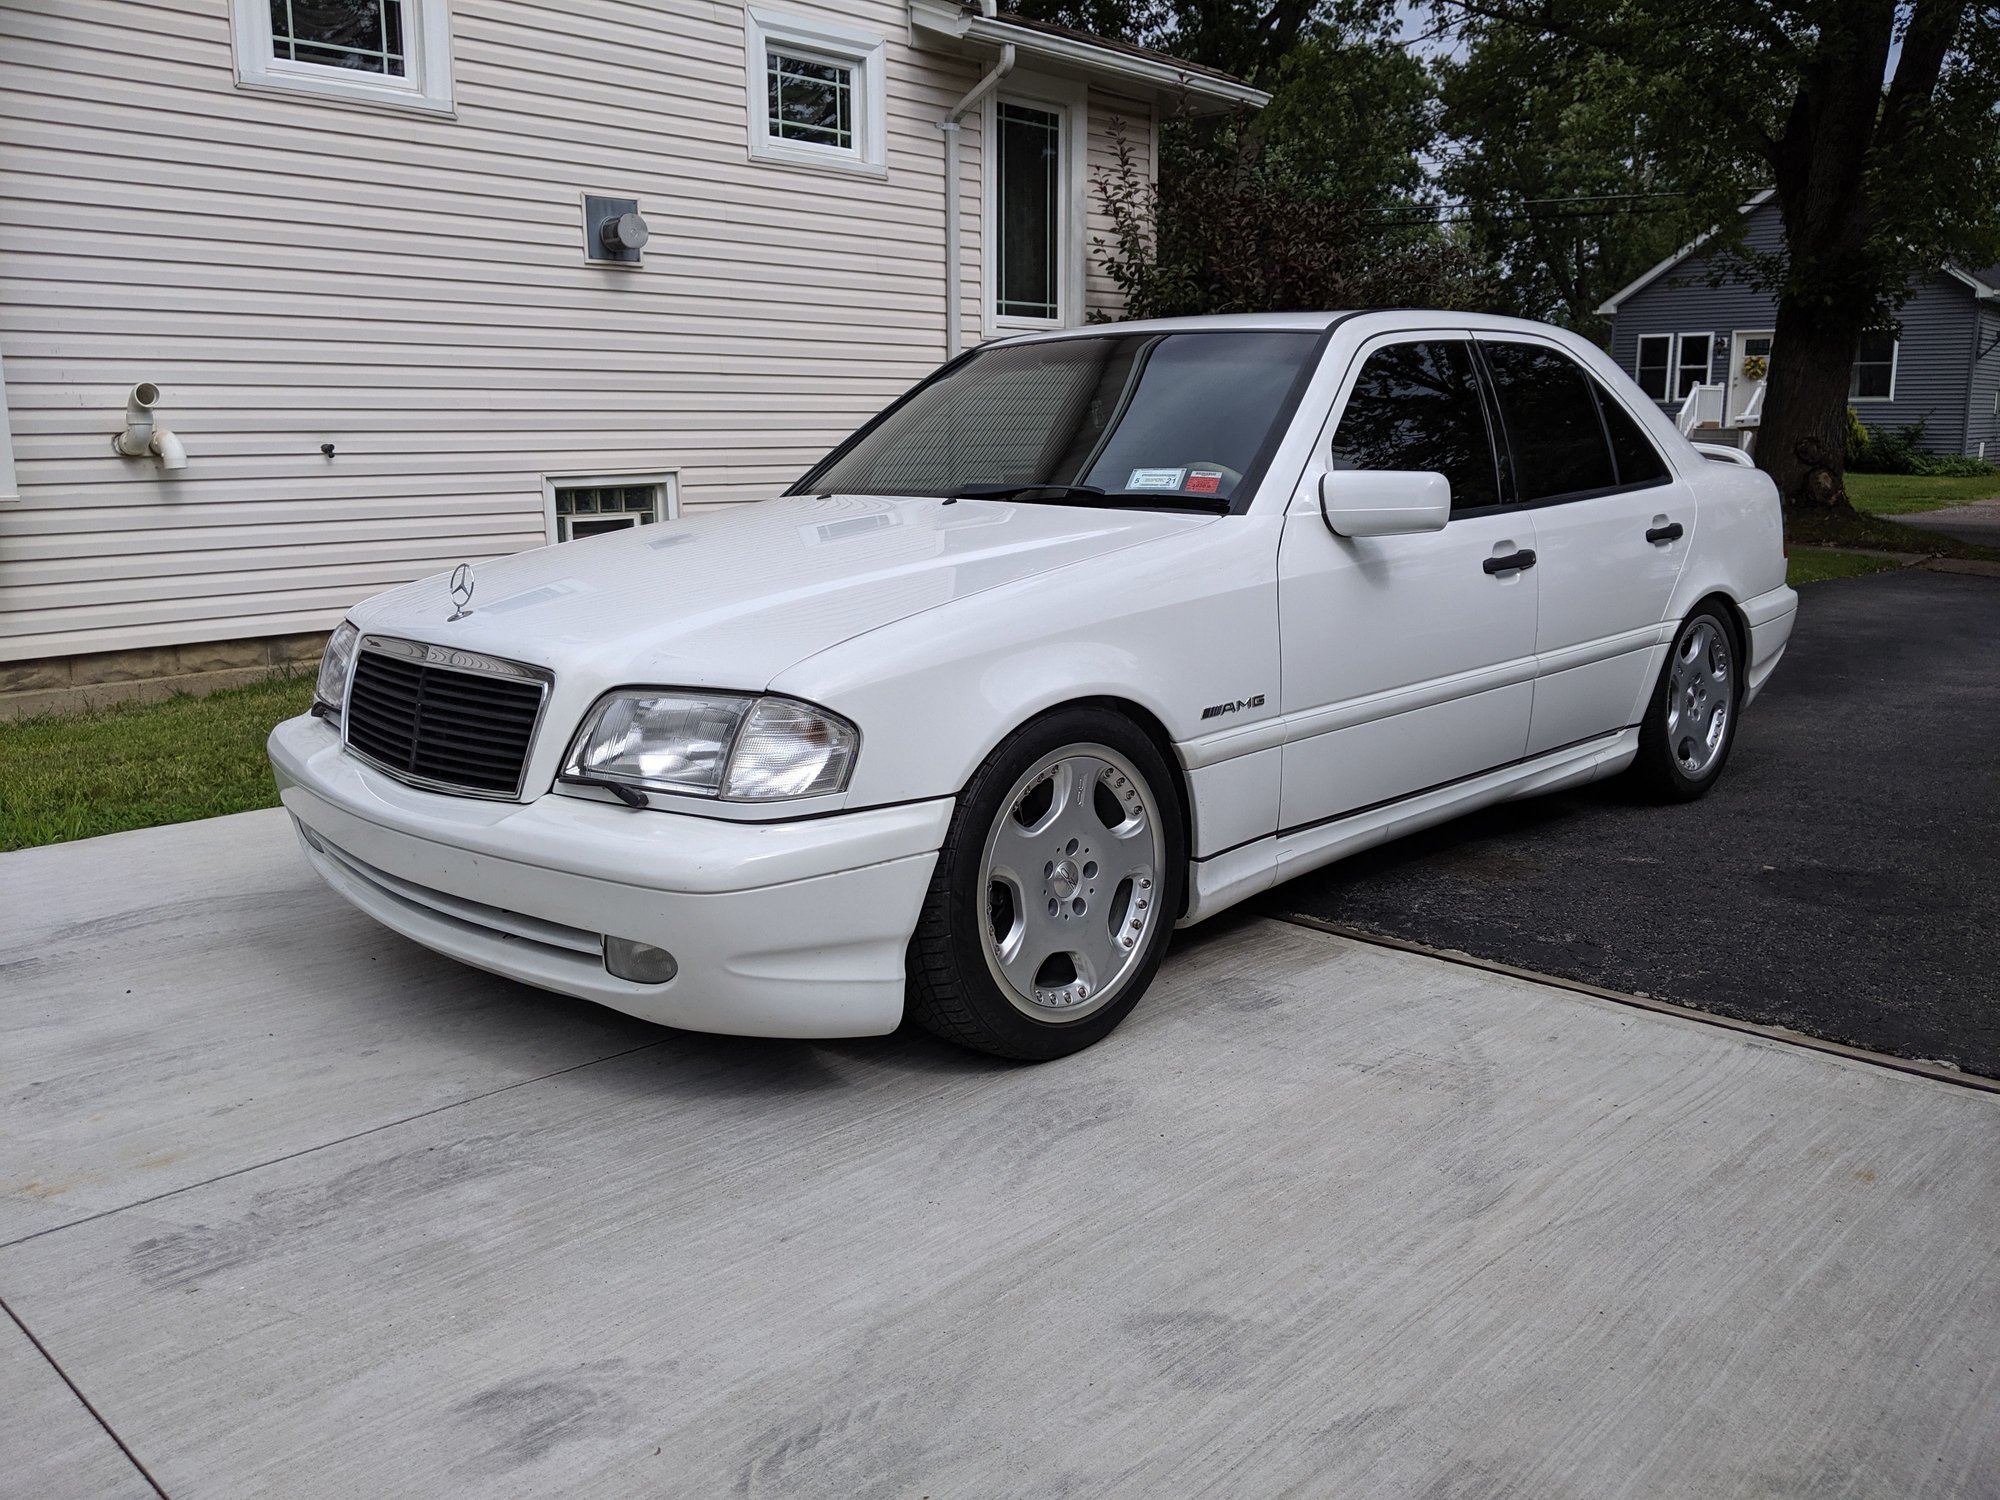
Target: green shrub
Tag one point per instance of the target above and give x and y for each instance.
(1857, 443)
(1952, 466)
(1883, 450)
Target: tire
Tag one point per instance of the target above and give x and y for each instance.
(1690, 725)
(1046, 919)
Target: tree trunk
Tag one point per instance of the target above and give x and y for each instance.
(1802, 439)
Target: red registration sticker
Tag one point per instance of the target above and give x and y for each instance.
(1199, 483)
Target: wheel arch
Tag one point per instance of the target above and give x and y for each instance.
(1732, 614)
(1147, 723)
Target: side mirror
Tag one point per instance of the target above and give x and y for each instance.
(1383, 502)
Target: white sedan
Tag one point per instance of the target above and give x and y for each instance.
(1089, 636)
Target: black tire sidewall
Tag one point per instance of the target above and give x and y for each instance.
(1012, 1031)
(1656, 756)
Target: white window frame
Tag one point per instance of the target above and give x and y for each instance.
(1707, 370)
(1895, 365)
(1639, 363)
(1070, 100)
(666, 481)
(817, 41)
(426, 85)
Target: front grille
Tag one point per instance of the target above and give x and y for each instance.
(442, 718)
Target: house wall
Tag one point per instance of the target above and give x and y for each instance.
(1985, 403)
(294, 271)
(1932, 360)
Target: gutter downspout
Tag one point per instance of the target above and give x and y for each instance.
(954, 334)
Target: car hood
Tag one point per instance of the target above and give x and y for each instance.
(730, 598)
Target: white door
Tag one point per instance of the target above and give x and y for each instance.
(1407, 661)
(1613, 528)
(1749, 369)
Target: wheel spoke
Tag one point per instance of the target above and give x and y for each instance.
(1064, 871)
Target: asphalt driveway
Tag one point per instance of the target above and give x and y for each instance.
(289, 1207)
(1843, 879)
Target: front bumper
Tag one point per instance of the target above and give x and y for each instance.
(789, 929)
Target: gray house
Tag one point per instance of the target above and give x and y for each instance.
(1703, 352)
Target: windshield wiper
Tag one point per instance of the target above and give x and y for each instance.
(1061, 494)
(1090, 494)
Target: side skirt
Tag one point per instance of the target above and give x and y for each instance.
(1220, 882)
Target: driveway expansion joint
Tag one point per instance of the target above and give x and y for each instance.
(96, 1415)
(258, 1166)
(1915, 1066)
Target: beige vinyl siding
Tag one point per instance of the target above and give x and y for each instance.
(293, 271)
(1111, 115)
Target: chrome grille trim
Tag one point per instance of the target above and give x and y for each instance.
(462, 721)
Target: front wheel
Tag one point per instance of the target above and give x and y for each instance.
(1055, 893)
(1691, 723)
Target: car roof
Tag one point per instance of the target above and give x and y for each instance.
(1300, 322)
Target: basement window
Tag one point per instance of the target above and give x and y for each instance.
(586, 505)
(389, 52)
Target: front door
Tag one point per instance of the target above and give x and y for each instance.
(1614, 526)
(1749, 369)
(1406, 663)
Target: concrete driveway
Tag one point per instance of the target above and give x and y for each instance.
(299, 1210)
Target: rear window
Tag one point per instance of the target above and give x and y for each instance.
(1553, 429)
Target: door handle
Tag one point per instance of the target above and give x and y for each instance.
(1671, 532)
(1510, 562)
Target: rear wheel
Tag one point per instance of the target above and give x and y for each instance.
(1055, 893)
(1686, 735)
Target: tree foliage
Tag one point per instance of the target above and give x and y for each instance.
(1226, 230)
(1878, 124)
(1556, 190)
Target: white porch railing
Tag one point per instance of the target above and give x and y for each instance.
(1753, 409)
(1701, 408)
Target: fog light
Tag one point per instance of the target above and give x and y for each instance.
(641, 963)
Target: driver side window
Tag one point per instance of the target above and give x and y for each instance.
(1417, 406)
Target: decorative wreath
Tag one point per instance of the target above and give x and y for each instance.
(1756, 366)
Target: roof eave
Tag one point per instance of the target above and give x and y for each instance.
(1157, 74)
(1611, 305)
(962, 28)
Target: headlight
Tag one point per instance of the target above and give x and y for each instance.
(735, 747)
(330, 692)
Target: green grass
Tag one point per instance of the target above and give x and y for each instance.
(1858, 529)
(72, 776)
(1818, 564)
(1907, 494)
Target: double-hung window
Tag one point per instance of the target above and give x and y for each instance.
(815, 93)
(393, 52)
(1034, 213)
(1697, 353)
(1656, 361)
(1874, 376)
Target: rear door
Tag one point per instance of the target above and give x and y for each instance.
(1407, 662)
(1613, 527)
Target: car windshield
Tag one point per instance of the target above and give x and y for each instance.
(1147, 418)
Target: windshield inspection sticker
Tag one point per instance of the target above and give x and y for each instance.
(1203, 482)
(1156, 479)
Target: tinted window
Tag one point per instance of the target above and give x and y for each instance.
(1550, 413)
(1638, 461)
(1135, 415)
(1416, 406)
